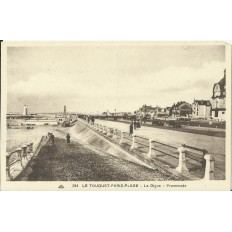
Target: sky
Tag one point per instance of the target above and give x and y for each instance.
(94, 78)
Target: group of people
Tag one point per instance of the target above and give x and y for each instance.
(90, 120)
(51, 138)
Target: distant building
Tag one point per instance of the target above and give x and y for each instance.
(168, 109)
(147, 111)
(161, 112)
(218, 100)
(150, 111)
(201, 109)
(181, 108)
(25, 110)
(39, 122)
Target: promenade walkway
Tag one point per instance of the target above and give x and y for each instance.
(214, 145)
(80, 162)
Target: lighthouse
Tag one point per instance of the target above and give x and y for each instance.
(25, 110)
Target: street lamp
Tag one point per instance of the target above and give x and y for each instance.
(216, 110)
(115, 115)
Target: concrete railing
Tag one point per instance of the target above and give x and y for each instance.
(152, 150)
(209, 165)
(17, 160)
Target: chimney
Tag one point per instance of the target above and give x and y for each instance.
(64, 111)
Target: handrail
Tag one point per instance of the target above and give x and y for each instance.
(166, 149)
(22, 156)
(142, 137)
(195, 148)
(168, 145)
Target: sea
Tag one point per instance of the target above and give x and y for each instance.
(17, 136)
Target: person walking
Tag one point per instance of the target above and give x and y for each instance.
(135, 125)
(93, 119)
(68, 138)
(52, 138)
(131, 129)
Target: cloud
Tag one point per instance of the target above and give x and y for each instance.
(87, 90)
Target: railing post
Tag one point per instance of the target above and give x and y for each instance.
(8, 175)
(182, 167)
(114, 134)
(108, 131)
(209, 167)
(151, 153)
(31, 148)
(121, 139)
(24, 154)
(101, 128)
(19, 156)
(28, 156)
(133, 143)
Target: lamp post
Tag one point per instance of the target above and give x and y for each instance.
(114, 114)
(216, 111)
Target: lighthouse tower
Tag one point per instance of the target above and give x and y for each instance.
(25, 110)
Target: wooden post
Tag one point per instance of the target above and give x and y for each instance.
(182, 167)
(209, 167)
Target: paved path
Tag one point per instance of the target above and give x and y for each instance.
(78, 162)
(214, 145)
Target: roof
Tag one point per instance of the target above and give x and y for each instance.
(203, 102)
(222, 84)
(180, 103)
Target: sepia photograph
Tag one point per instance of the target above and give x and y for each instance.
(116, 116)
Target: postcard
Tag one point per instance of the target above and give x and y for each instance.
(123, 116)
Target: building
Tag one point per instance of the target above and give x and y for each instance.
(25, 110)
(66, 117)
(181, 109)
(218, 99)
(147, 111)
(39, 122)
(201, 109)
(161, 112)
